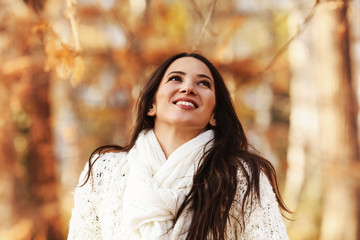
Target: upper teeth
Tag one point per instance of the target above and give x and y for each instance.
(185, 103)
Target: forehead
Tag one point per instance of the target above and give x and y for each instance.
(189, 65)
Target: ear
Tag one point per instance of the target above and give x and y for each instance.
(212, 121)
(152, 111)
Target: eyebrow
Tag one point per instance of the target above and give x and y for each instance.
(183, 73)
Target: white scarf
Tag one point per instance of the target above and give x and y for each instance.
(156, 186)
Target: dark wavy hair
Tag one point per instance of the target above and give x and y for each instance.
(215, 181)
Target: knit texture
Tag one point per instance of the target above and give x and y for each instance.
(98, 208)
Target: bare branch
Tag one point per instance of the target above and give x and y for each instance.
(197, 10)
(205, 25)
(70, 14)
(286, 45)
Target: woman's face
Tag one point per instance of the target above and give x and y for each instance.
(186, 96)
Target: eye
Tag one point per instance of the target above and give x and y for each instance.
(205, 83)
(174, 78)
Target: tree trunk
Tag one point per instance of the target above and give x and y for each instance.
(338, 117)
(43, 183)
(28, 175)
(7, 159)
(304, 175)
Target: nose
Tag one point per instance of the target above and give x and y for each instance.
(188, 88)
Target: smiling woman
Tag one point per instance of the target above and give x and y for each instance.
(184, 103)
(187, 172)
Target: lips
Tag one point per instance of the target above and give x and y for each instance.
(186, 102)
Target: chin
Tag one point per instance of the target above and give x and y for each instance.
(191, 124)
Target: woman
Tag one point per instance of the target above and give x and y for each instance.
(187, 172)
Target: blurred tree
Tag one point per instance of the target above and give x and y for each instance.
(304, 175)
(8, 208)
(36, 5)
(338, 109)
(32, 164)
(42, 175)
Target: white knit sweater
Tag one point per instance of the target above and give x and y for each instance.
(98, 206)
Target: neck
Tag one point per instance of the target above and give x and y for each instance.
(172, 138)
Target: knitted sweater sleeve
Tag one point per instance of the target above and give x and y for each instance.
(84, 222)
(263, 220)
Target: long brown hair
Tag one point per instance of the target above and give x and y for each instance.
(215, 181)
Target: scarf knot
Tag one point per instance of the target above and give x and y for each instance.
(156, 186)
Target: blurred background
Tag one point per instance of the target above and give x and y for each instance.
(71, 72)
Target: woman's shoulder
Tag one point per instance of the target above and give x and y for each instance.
(108, 160)
(261, 212)
(245, 175)
(105, 167)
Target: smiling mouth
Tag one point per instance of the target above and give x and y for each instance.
(186, 103)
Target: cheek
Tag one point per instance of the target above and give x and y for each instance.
(210, 102)
(163, 96)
